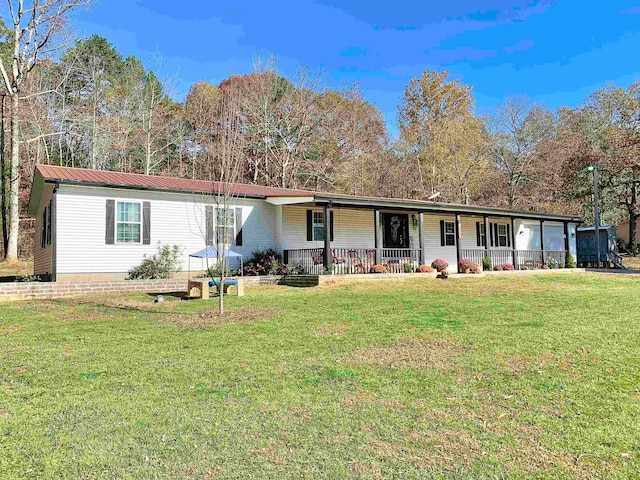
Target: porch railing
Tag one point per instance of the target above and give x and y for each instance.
(360, 260)
(353, 260)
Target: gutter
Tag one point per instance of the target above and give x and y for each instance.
(443, 208)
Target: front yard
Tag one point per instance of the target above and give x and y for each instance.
(498, 377)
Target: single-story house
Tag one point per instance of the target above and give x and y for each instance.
(96, 225)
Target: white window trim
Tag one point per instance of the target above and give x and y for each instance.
(502, 235)
(449, 234)
(314, 224)
(231, 229)
(116, 222)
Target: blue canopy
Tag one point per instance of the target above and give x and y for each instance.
(212, 252)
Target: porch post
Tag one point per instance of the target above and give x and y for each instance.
(327, 237)
(542, 240)
(513, 243)
(458, 240)
(421, 237)
(566, 244)
(486, 234)
(376, 235)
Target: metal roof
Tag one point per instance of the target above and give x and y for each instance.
(84, 176)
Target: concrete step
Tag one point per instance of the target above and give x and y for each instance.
(300, 280)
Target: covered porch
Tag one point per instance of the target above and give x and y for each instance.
(353, 240)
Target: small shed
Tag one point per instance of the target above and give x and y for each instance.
(586, 243)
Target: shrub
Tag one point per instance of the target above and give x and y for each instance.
(378, 269)
(465, 263)
(504, 267)
(486, 263)
(524, 267)
(439, 264)
(476, 268)
(28, 278)
(571, 262)
(546, 267)
(163, 264)
(269, 262)
(425, 269)
(409, 267)
(553, 263)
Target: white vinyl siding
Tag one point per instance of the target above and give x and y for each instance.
(433, 247)
(175, 219)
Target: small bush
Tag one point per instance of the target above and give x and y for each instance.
(486, 263)
(425, 269)
(476, 268)
(378, 269)
(269, 262)
(553, 263)
(439, 264)
(409, 267)
(546, 267)
(524, 267)
(571, 262)
(163, 264)
(28, 278)
(465, 263)
(504, 267)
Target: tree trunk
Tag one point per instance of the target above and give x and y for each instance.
(3, 180)
(633, 219)
(14, 181)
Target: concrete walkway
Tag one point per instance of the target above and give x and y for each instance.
(612, 271)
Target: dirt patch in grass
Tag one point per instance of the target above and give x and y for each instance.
(416, 353)
(275, 452)
(365, 397)
(10, 329)
(519, 364)
(333, 330)
(241, 315)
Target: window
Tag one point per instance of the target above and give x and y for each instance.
(45, 227)
(128, 222)
(225, 220)
(482, 234)
(318, 225)
(449, 233)
(502, 235)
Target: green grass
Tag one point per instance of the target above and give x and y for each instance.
(497, 377)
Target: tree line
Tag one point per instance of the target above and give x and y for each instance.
(83, 104)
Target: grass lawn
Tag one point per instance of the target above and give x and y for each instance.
(498, 377)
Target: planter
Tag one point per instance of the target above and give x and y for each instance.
(466, 270)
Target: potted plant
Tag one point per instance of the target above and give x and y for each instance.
(425, 269)
(378, 269)
(476, 268)
(441, 266)
(465, 265)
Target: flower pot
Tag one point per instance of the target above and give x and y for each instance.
(466, 270)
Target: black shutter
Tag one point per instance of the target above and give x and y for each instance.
(146, 223)
(309, 225)
(43, 228)
(491, 234)
(238, 220)
(49, 238)
(478, 237)
(110, 222)
(442, 239)
(208, 225)
(331, 225)
(495, 235)
(508, 235)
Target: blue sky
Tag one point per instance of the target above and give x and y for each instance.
(553, 52)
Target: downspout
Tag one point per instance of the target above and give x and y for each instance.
(54, 232)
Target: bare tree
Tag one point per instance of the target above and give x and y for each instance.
(219, 135)
(517, 129)
(37, 30)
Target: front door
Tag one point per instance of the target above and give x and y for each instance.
(396, 230)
